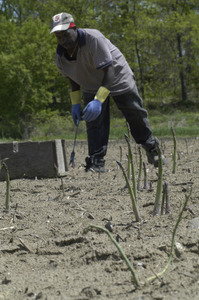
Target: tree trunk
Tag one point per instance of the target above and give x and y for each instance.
(138, 58)
(181, 68)
(141, 71)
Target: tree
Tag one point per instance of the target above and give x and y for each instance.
(159, 38)
(26, 71)
(179, 32)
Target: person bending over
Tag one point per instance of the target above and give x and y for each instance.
(93, 64)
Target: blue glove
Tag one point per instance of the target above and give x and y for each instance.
(92, 110)
(76, 113)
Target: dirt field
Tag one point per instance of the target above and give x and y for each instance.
(45, 254)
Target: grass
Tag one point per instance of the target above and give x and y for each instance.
(180, 132)
(186, 125)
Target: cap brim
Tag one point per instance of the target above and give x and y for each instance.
(60, 27)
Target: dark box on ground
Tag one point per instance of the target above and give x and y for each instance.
(34, 159)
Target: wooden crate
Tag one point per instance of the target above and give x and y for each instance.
(34, 159)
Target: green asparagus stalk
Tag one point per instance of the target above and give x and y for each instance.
(163, 200)
(145, 177)
(130, 158)
(167, 211)
(132, 195)
(140, 169)
(173, 240)
(120, 153)
(129, 150)
(7, 202)
(156, 210)
(123, 255)
(174, 150)
(128, 129)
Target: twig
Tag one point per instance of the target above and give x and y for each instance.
(75, 194)
(187, 208)
(6, 228)
(155, 275)
(25, 246)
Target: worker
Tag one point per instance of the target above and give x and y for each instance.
(97, 70)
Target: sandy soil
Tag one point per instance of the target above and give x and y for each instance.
(45, 254)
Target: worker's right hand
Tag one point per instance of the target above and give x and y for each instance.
(76, 113)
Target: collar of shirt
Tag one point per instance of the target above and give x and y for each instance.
(81, 42)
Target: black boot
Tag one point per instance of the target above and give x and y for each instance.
(95, 164)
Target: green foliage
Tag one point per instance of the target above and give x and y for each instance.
(52, 125)
(160, 40)
(26, 73)
(49, 124)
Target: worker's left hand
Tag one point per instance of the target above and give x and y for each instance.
(92, 110)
